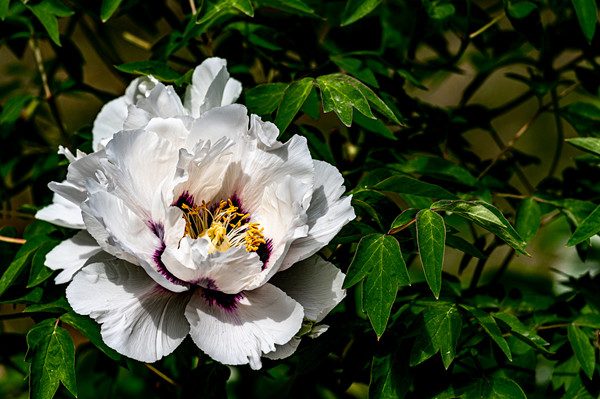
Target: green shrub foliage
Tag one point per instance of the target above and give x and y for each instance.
(470, 269)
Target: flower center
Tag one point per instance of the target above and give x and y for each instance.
(223, 227)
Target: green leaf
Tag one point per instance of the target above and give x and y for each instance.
(588, 320)
(108, 8)
(521, 9)
(490, 327)
(440, 168)
(357, 9)
(13, 107)
(356, 68)
(464, 246)
(407, 185)
(158, 69)
(528, 219)
(373, 125)
(293, 6)
(257, 34)
(588, 227)
(39, 272)
(377, 102)
(407, 216)
(22, 259)
(340, 94)
(51, 355)
(494, 388)
(431, 239)
(264, 99)
(442, 11)
(91, 330)
(439, 330)
(4, 5)
(378, 260)
(389, 377)
(487, 216)
(584, 117)
(47, 12)
(522, 332)
(213, 9)
(587, 14)
(293, 99)
(582, 348)
(589, 144)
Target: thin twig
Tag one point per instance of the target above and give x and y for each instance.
(486, 26)
(193, 7)
(13, 240)
(525, 127)
(39, 61)
(162, 375)
(518, 170)
(503, 266)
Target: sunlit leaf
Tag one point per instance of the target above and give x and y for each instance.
(431, 239)
(587, 14)
(583, 349)
(588, 227)
(528, 219)
(490, 327)
(293, 99)
(439, 330)
(108, 8)
(589, 144)
(357, 9)
(158, 69)
(264, 99)
(51, 355)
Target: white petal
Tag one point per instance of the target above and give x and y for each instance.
(265, 317)
(285, 350)
(80, 172)
(109, 121)
(211, 87)
(327, 214)
(161, 101)
(229, 272)
(70, 255)
(142, 162)
(265, 132)
(121, 233)
(230, 121)
(61, 212)
(111, 117)
(283, 218)
(315, 283)
(139, 318)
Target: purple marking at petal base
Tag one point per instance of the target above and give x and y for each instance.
(185, 198)
(224, 301)
(159, 230)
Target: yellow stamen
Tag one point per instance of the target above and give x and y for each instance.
(223, 228)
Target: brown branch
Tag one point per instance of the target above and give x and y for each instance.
(525, 127)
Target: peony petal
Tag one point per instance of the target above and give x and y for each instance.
(139, 318)
(211, 87)
(285, 350)
(327, 214)
(71, 255)
(142, 162)
(61, 212)
(111, 117)
(229, 272)
(315, 283)
(263, 318)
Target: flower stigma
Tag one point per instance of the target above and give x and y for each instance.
(224, 227)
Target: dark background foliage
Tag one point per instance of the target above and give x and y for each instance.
(470, 270)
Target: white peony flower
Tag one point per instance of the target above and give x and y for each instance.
(197, 221)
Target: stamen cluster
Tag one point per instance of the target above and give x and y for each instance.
(224, 227)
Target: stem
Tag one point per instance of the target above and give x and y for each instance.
(12, 240)
(162, 375)
(39, 61)
(525, 127)
(487, 26)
